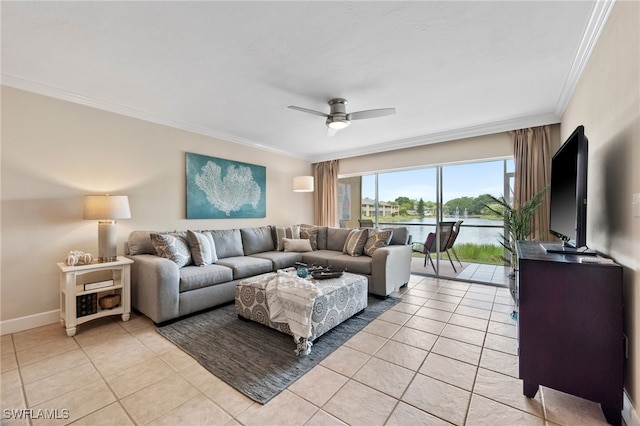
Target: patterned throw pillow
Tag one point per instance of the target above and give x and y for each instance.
(172, 247)
(296, 245)
(355, 242)
(310, 234)
(292, 232)
(203, 249)
(377, 238)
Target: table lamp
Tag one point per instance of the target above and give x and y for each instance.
(106, 209)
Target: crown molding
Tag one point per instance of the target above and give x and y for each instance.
(597, 20)
(42, 89)
(455, 134)
(446, 136)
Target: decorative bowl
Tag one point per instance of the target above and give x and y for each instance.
(326, 273)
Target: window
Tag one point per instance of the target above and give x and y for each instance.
(418, 199)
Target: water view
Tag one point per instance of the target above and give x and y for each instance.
(407, 198)
(473, 230)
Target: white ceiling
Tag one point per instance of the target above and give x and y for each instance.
(230, 69)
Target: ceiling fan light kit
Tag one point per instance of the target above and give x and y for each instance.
(337, 123)
(338, 118)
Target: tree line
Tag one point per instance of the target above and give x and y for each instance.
(473, 205)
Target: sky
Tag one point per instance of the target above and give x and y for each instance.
(462, 180)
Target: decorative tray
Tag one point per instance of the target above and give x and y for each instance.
(324, 274)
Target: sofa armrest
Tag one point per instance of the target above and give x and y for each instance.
(155, 287)
(390, 269)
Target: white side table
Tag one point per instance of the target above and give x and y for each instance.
(79, 280)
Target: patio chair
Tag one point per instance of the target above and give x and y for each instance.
(452, 240)
(365, 223)
(447, 238)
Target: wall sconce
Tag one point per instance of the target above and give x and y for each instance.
(105, 209)
(303, 184)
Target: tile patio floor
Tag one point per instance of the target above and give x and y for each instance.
(472, 272)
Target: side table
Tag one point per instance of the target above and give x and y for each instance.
(81, 287)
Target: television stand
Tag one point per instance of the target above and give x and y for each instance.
(561, 248)
(570, 334)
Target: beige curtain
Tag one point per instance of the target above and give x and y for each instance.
(326, 193)
(532, 154)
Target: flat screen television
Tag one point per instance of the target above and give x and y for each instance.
(568, 195)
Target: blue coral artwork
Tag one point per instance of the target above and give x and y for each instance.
(224, 189)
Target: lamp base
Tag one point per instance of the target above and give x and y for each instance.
(107, 250)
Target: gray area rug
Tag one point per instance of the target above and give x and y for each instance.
(255, 359)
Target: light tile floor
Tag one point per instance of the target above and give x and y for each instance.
(470, 272)
(445, 355)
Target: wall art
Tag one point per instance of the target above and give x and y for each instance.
(219, 188)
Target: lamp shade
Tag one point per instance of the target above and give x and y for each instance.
(106, 207)
(303, 184)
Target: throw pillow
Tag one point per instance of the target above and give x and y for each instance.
(296, 245)
(139, 242)
(172, 247)
(377, 238)
(310, 234)
(292, 232)
(355, 242)
(203, 249)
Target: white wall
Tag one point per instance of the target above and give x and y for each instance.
(54, 152)
(607, 102)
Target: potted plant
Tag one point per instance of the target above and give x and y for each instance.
(518, 220)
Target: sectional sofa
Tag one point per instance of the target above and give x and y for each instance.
(178, 273)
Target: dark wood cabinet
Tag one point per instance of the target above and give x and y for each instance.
(570, 334)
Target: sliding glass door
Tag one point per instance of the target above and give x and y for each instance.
(466, 244)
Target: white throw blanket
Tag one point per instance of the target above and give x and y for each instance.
(290, 299)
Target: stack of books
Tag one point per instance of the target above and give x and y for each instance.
(97, 285)
(86, 304)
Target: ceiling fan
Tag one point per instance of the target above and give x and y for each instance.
(338, 118)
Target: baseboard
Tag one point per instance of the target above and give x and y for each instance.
(629, 413)
(30, 321)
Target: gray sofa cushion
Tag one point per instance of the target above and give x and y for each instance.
(320, 257)
(400, 236)
(257, 240)
(228, 242)
(280, 259)
(322, 237)
(194, 277)
(246, 266)
(336, 238)
(139, 242)
(355, 264)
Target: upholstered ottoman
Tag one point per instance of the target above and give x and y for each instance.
(339, 300)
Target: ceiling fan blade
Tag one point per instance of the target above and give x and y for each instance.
(331, 131)
(308, 111)
(371, 113)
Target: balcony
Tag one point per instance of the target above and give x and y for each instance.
(476, 272)
(494, 273)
